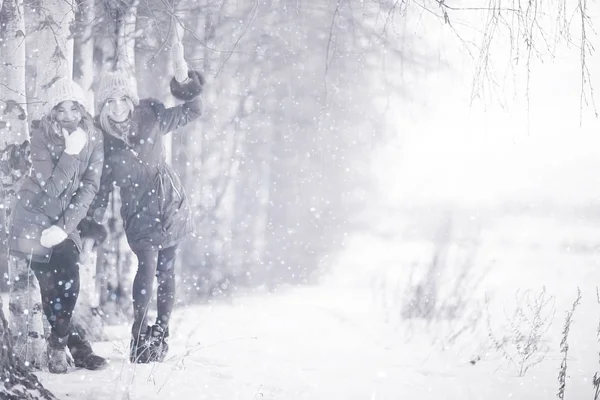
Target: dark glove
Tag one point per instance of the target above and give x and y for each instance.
(190, 89)
(88, 228)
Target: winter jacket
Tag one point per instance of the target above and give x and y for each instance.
(58, 191)
(154, 205)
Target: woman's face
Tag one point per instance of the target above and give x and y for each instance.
(118, 108)
(68, 115)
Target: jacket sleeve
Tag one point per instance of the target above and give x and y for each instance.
(53, 179)
(169, 119)
(88, 187)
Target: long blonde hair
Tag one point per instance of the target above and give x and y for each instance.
(105, 121)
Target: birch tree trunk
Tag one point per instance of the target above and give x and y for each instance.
(114, 263)
(125, 52)
(87, 319)
(52, 49)
(115, 259)
(181, 145)
(25, 300)
(18, 383)
(83, 51)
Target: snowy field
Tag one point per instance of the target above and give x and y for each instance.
(347, 338)
(327, 342)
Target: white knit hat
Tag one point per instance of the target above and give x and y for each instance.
(116, 84)
(64, 89)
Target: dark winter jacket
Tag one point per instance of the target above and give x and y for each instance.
(58, 191)
(154, 206)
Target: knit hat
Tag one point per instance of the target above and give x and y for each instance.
(116, 84)
(64, 89)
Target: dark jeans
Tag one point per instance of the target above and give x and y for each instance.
(59, 286)
(162, 265)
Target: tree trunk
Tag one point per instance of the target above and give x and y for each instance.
(26, 314)
(18, 383)
(83, 51)
(114, 48)
(53, 57)
(3, 224)
(114, 267)
(25, 302)
(192, 153)
(87, 317)
(87, 320)
(171, 153)
(115, 260)
(126, 21)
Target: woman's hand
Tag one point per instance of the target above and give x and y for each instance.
(74, 142)
(52, 236)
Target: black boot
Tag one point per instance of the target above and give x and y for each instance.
(139, 348)
(83, 355)
(158, 343)
(58, 361)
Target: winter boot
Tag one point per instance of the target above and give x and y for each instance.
(139, 349)
(158, 343)
(83, 355)
(58, 361)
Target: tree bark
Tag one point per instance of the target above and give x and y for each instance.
(18, 383)
(83, 51)
(87, 319)
(126, 22)
(25, 302)
(115, 47)
(53, 55)
(114, 267)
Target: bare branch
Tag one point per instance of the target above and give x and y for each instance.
(252, 17)
(585, 73)
(330, 38)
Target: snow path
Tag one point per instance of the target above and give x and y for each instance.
(297, 345)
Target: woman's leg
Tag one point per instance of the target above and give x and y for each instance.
(143, 284)
(166, 286)
(165, 301)
(59, 286)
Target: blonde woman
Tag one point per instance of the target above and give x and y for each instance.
(155, 210)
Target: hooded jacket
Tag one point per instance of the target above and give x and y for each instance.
(58, 191)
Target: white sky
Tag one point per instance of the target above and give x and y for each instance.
(496, 149)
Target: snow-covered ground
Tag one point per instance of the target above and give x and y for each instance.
(301, 346)
(338, 340)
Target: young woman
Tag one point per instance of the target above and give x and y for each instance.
(154, 209)
(67, 157)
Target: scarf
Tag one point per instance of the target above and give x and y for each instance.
(122, 130)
